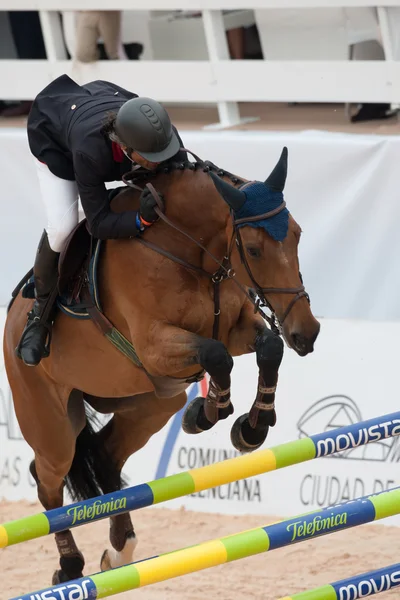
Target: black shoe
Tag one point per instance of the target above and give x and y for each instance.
(36, 337)
(373, 112)
(35, 340)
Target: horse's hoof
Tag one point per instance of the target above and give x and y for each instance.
(71, 568)
(193, 419)
(246, 439)
(59, 576)
(111, 559)
(105, 562)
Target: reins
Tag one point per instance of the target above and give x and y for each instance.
(225, 270)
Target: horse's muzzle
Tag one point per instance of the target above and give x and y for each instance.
(302, 344)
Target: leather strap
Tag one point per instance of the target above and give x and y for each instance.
(99, 319)
(226, 268)
(266, 215)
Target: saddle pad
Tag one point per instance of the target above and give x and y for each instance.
(75, 309)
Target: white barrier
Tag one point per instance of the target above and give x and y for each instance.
(343, 382)
(342, 189)
(217, 80)
(52, 5)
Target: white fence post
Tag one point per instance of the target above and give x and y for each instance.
(217, 46)
(387, 42)
(53, 35)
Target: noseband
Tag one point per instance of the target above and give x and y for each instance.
(225, 270)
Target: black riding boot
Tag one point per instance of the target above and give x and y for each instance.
(35, 340)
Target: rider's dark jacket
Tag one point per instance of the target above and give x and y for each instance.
(65, 132)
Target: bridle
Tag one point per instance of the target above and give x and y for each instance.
(225, 271)
(261, 292)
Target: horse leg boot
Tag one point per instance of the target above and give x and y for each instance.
(251, 429)
(204, 413)
(72, 561)
(36, 337)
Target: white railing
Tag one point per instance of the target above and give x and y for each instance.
(184, 4)
(217, 80)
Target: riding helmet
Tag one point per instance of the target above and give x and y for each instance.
(144, 125)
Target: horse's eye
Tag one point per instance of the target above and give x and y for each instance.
(253, 251)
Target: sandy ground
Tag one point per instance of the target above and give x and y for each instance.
(28, 567)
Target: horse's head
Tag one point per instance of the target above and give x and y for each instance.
(264, 255)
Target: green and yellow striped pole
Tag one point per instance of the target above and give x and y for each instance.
(227, 549)
(196, 480)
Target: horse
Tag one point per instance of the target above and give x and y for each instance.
(171, 306)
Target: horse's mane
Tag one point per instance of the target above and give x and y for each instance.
(143, 175)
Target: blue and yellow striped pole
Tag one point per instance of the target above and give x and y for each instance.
(359, 586)
(196, 480)
(227, 549)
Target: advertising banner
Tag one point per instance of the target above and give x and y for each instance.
(351, 376)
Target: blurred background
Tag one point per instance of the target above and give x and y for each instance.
(240, 81)
(319, 76)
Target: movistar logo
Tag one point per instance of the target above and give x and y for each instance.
(303, 529)
(342, 442)
(369, 586)
(69, 591)
(81, 512)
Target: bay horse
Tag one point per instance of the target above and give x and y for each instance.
(176, 303)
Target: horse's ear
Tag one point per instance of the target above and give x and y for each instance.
(276, 181)
(233, 197)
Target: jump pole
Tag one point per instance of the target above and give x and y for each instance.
(359, 586)
(203, 478)
(226, 549)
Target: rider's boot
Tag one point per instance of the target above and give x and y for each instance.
(36, 337)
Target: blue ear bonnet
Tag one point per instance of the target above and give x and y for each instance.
(260, 198)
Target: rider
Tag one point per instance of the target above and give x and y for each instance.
(81, 137)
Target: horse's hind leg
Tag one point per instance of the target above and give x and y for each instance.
(127, 432)
(71, 559)
(51, 430)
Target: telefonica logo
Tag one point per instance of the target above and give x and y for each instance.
(340, 411)
(302, 529)
(99, 507)
(369, 587)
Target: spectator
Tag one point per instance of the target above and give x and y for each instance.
(92, 25)
(29, 44)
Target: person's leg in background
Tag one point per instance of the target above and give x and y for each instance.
(110, 31)
(29, 43)
(87, 35)
(236, 42)
(92, 25)
(60, 198)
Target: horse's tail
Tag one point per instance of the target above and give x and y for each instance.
(93, 471)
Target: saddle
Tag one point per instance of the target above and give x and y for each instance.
(78, 287)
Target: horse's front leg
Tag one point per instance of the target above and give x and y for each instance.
(251, 334)
(203, 413)
(177, 350)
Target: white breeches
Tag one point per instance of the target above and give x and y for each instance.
(60, 199)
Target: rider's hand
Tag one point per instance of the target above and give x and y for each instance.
(147, 206)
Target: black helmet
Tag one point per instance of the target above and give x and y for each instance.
(144, 125)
